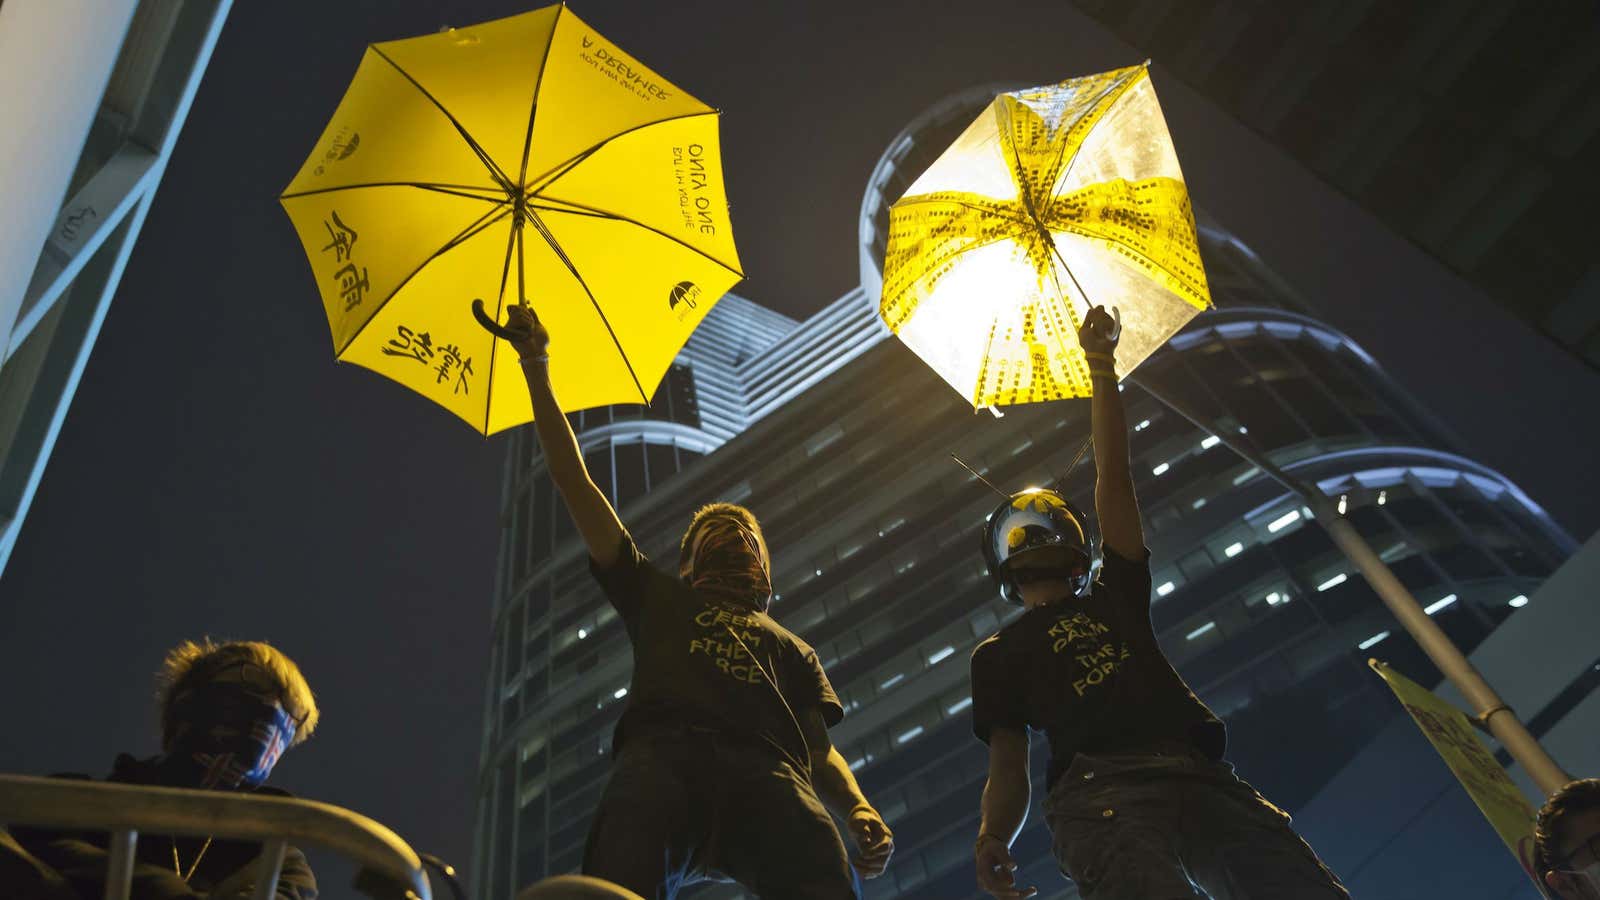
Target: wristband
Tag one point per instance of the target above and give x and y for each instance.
(859, 807)
(984, 834)
(540, 358)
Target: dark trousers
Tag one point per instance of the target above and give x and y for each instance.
(692, 805)
(1173, 824)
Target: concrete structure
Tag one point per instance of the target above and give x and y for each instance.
(97, 91)
(1413, 111)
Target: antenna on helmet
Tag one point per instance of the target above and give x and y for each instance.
(979, 476)
(1062, 480)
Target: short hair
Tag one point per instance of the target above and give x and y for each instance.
(191, 664)
(1572, 797)
(719, 511)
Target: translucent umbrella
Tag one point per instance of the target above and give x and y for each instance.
(1055, 199)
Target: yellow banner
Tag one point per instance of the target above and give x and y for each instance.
(1452, 734)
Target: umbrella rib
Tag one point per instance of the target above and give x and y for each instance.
(921, 199)
(544, 232)
(581, 209)
(560, 169)
(975, 245)
(457, 189)
(513, 242)
(483, 155)
(1118, 241)
(533, 104)
(1109, 100)
(483, 221)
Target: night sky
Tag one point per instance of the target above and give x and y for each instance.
(219, 474)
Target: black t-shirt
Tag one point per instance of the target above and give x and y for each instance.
(692, 661)
(1090, 675)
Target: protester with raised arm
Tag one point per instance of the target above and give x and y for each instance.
(1140, 804)
(723, 766)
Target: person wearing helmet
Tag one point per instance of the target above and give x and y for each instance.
(1141, 805)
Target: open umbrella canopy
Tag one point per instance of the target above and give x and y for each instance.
(523, 158)
(1056, 199)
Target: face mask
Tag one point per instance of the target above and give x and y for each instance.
(728, 562)
(230, 736)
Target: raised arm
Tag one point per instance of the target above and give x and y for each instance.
(1115, 503)
(591, 512)
(1005, 806)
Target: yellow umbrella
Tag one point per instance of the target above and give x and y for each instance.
(1057, 198)
(524, 158)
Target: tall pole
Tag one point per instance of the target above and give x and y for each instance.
(1489, 710)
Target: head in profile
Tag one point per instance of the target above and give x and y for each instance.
(1566, 841)
(228, 713)
(724, 553)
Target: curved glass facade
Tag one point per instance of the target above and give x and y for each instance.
(875, 532)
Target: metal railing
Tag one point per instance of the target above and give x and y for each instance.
(127, 810)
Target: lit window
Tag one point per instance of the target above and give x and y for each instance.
(1373, 641)
(1333, 582)
(1161, 469)
(958, 706)
(1439, 604)
(1199, 503)
(1274, 598)
(892, 681)
(908, 735)
(1283, 521)
(1166, 589)
(940, 654)
(1519, 601)
(1234, 549)
(619, 693)
(1209, 626)
(1243, 430)
(1246, 475)
(819, 573)
(1344, 503)
(820, 441)
(582, 633)
(857, 763)
(1383, 497)
(1210, 441)
(1142, 425)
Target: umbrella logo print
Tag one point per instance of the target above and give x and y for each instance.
(684, 294)
(343, 146)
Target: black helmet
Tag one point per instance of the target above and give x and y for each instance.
(1030, 520)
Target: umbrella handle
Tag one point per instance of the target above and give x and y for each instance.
(493, 327)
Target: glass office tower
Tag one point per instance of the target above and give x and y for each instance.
(839, 440)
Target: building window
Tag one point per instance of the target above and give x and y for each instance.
(630, 463)
(822, 439)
